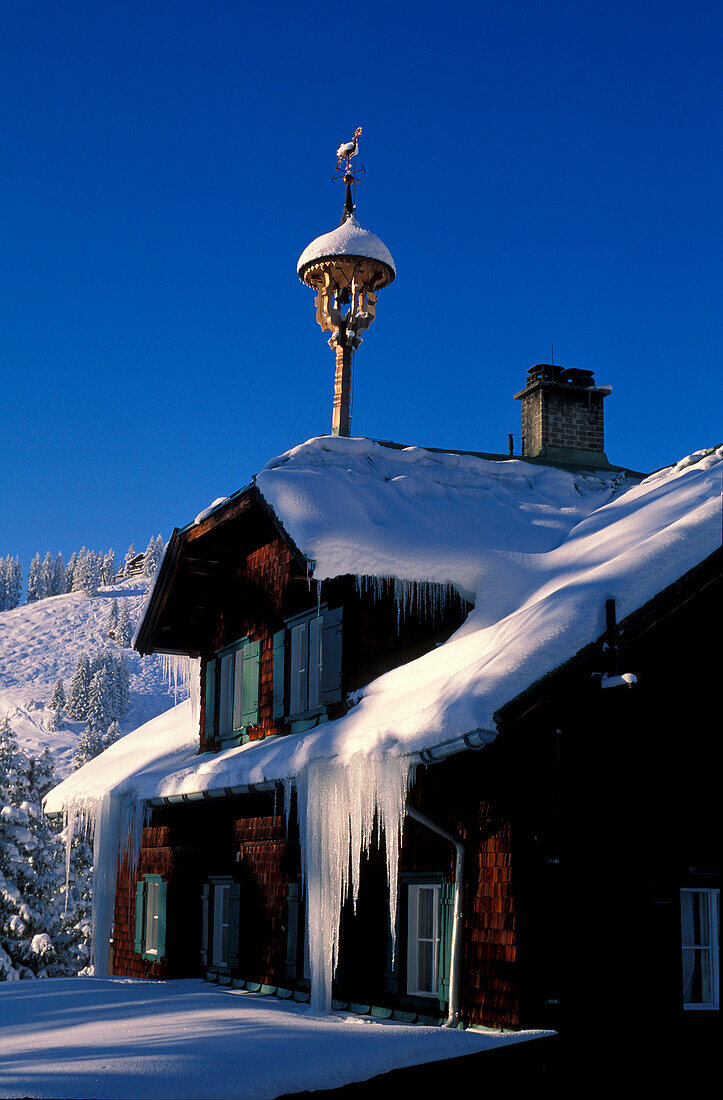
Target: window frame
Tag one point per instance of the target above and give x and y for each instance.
(414, 890)
(210, 926)
(321, 684)
(711, 949)
(221, 692)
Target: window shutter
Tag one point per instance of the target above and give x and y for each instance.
(205, 893)
(315, 662)
(210, 715)
(292, 927)
(331, 657)
(234, 925)
(299, 689)
(250, 715)
(280, 674)
(140, 914)
(161, 902)
(445, 939)
(238, 692)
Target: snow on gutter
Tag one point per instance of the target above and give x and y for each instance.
(475, 739)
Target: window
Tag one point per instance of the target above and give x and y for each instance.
(423, 919)
(307, 664)
(220, 920)
(150, 925)
(429, 909)
(700, 928)
(232, 693)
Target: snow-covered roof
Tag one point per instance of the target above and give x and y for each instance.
(349, 239)
(535, 609)
(353, 506)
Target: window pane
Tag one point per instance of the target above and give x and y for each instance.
(238, 691)
(151, 937)
(426, 978)
(315, 636)
(221, 896)
(425, 912)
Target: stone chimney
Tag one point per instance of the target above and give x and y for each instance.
(562, 416)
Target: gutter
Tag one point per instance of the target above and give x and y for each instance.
(455, 962)
(475, 739)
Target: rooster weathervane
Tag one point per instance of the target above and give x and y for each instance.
(348, 149)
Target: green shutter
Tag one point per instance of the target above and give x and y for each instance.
(140, 915)
(445, 939)
(234, 925)
(331, 657)
(238, 691)
(292, 927)
(205, 892)
(210, 715)
(250, 715)
(280, 674)
(161, 896)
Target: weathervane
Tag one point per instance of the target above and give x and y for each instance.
(348, 149)
(346, 267)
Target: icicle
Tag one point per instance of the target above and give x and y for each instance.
(116, 823)
(427, 599)
(184, 673)
(339, 805)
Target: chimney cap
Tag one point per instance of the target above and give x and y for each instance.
(566, 376)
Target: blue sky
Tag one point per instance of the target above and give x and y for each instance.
(543, 173)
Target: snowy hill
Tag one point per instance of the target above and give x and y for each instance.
(42, 641)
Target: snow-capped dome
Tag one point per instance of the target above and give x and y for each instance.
(350, 239)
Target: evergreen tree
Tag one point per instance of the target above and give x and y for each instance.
(76, 706)
(14, 582)
(86, 577)
(100, 702)
(47, 576)
(34, 580)
(30, 865)
(107, 571)
(152, 558)
(70, 572)
(111, 622)
(130, 554)
(58, 576)
(124, 629)
(4, 583)
(56, 704)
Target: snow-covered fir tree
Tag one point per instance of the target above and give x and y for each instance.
(152, 558)
(111, 622)
(130, 554)
(56, 704)
(70, 571)
(76, 706)
(47, 576)
(86, 577)
(124, 627)
(107, 569)
(34, 580)
(31, 866)
(58, 575)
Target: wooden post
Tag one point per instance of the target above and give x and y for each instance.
(341, 416)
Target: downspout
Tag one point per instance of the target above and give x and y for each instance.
(455, 962)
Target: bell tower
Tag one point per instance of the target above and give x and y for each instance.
(346, 267)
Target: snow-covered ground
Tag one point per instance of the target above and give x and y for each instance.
(124, 1038)
(42, 641)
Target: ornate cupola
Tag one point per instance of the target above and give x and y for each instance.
(346, 267)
